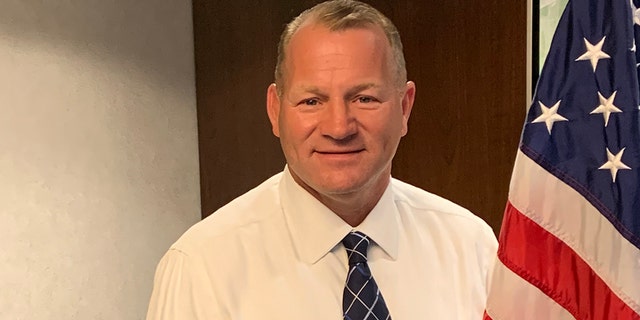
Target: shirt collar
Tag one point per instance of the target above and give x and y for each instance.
(382, 225)
(315, 229)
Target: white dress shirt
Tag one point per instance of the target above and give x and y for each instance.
(276, 253)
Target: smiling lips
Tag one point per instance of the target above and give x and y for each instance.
(339, 155)
(338, 152)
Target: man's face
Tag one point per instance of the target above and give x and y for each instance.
(342, 112)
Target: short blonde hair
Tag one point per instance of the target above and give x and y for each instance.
(338, 15)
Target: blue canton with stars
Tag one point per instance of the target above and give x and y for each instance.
(583, 125)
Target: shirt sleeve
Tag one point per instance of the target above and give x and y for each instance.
(488, 256)
(181, 290)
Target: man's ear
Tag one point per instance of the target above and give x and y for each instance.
(407, 104)
(273, 108)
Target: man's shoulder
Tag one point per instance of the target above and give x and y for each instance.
(255, 207)
(429, 207)
(423, 200)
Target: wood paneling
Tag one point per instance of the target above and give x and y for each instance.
(466, 57)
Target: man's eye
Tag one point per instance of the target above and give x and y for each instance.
(310, 102)
(365, 99)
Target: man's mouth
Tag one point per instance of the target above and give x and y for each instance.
(338, 152)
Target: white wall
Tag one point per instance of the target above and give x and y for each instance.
(98, 153)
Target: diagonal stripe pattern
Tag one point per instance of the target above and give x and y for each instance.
(361, 299)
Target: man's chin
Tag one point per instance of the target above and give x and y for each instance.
(342, 187)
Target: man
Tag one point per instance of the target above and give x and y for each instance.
(332, 236)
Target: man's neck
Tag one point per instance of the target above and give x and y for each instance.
(352, 207)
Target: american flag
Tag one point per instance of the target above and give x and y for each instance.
(570, 237)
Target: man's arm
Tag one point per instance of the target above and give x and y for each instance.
(182, 290)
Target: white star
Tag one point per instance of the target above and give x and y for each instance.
(606, 107)
(614, 163)
(594, 53)
(636, 13)
(549, 115)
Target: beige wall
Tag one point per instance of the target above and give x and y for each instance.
(98, 153)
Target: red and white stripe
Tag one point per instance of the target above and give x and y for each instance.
(564, 260)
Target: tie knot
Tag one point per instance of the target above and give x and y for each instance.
(356, 244)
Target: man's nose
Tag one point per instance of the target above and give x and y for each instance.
(338, 122)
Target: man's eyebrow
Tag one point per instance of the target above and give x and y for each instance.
(313, 90)
(350, 93)
(361, 87)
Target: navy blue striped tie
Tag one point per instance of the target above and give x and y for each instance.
(361, 299)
